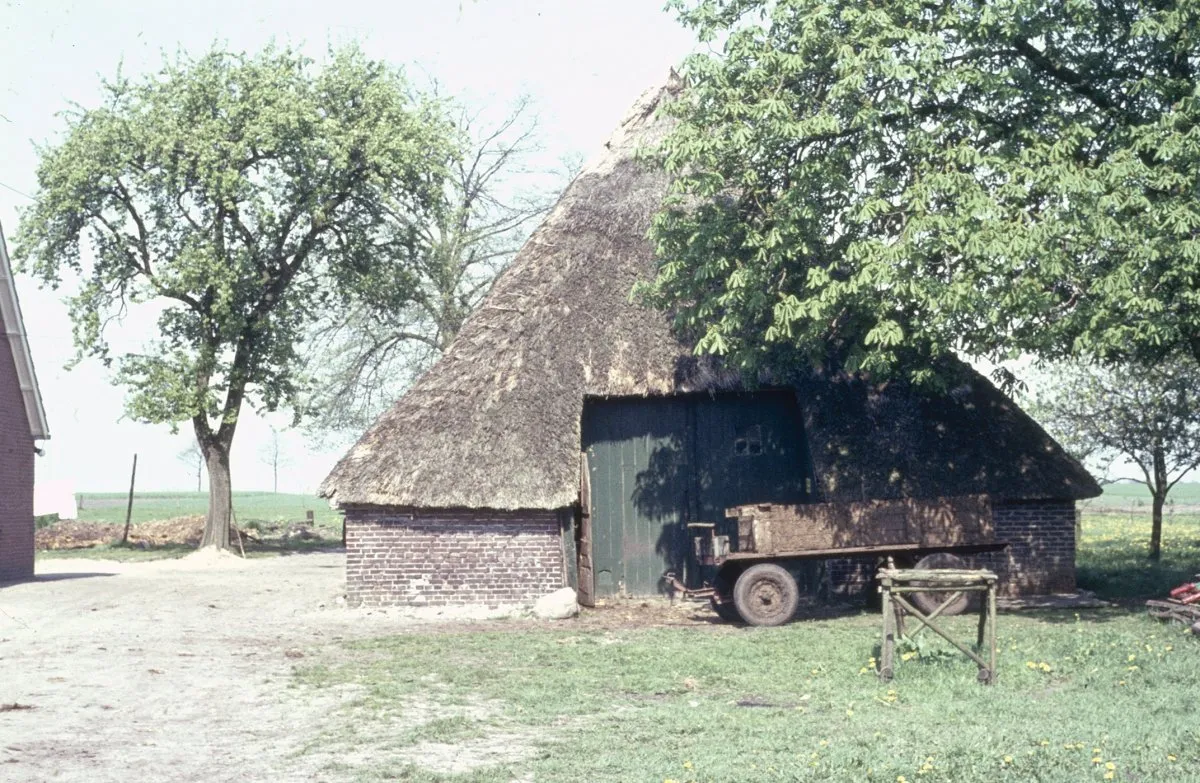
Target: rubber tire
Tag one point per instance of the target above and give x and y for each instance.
(928, 602)
(726, 611)
(766, 595)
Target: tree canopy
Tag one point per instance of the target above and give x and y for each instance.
(859, 183)
(1148, 416)
(239, 197)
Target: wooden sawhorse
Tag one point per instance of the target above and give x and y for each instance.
(895, 583)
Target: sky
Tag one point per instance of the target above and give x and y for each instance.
(583, 63)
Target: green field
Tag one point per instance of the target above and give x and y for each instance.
(1126, 494)
(109, 507)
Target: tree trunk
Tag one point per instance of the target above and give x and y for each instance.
(220, 496)
(199, 472)
(1159, 491)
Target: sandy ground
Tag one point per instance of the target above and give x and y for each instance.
(172, 670)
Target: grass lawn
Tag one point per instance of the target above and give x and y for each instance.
(1090, 696)
(1112, 554)
(794, 703)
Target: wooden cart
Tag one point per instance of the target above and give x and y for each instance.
(750, 574)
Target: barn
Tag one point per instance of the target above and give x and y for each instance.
(562, 401)
(22, 422)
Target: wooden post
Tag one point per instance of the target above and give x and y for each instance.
(991, 600)
(129, 506)
(887, 652)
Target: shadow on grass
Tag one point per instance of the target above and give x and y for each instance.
(1116, 573)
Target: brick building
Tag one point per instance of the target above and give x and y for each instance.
(569, 436)
(22, 422)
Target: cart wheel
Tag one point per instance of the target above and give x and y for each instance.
(726, 611)
(928, 602)
(766, 594)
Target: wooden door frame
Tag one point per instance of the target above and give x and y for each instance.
(585, 570)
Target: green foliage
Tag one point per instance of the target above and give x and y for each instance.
(242, 195)
(860, 183)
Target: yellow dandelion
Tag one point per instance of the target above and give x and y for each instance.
(1044, 743)
(1109, 775)
(901, 779)
(687, 765)
(1171, 757)
(1132, 657)
(1110, 766)
(823, 743)
(1008, 759)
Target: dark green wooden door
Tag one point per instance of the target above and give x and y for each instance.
(656, 464)
(637, 455)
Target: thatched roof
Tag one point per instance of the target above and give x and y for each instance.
(872, 441)
(496, 422)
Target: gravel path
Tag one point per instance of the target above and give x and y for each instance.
(173, 670)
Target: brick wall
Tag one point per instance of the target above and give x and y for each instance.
(16, 475)
(1040, 557)
(431, 557)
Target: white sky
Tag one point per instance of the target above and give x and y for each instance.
(583, 63)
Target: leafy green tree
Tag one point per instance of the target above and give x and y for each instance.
(863, 184)
(1148, 416)
(239, 197)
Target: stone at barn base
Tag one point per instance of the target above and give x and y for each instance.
(558, 605)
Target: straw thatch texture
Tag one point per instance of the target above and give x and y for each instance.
(496, 422)
(874, 441)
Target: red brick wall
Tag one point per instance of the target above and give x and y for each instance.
(432, 557)
(1041, 555)
(16, 475)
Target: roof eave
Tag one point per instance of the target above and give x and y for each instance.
(14, 330)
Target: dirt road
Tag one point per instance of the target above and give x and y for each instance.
(169, 671)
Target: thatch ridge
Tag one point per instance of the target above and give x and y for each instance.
(495, 423)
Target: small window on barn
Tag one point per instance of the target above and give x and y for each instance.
(747, 441)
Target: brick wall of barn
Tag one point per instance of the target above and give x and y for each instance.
(16, 475)
(1040, 558)
(432, 557)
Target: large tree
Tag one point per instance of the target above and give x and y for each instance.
(1148, 416)
(366, 356)
(868, 183)
(239, 197)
